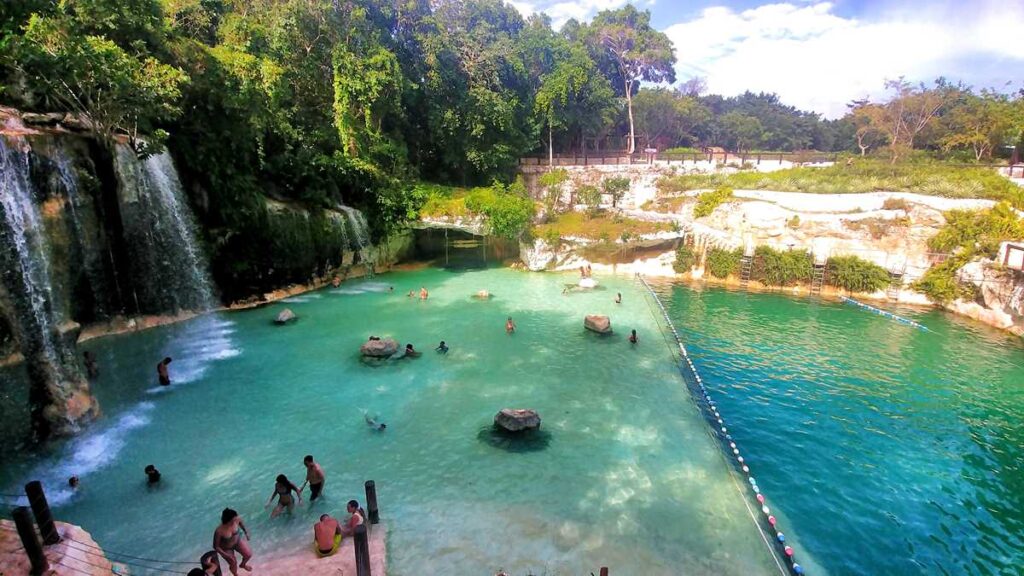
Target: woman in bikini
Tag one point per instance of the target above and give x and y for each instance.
(283, 489)
(227, 541)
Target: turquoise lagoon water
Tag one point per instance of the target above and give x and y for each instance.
(892, 450)
(627, 478)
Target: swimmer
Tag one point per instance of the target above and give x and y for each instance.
(335, 281)
(410, 352)
(618, 297)
(152, 475)
(391, 288)
(510, 326)
(442, 347)
(162, 373)
(589, 271)
(632, 337)
(227, 541)
(73, 482)
(210, 564)
(410, 294)
(90, 365)
(372, 423)
(372, 338)
(423, 293)
(283, 489)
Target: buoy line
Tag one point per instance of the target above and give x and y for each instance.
(880, 312)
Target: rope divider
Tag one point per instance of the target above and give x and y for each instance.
(881, 312)
(721, 432)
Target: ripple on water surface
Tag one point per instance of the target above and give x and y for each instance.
(893, 450)
(624, 474)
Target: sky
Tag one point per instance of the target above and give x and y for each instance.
(820, 55)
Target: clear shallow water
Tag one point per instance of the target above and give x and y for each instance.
(892, 450)
(629, 478)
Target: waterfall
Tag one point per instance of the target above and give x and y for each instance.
(23, 233)
(92, 261)
(171, 270)
(367, 253)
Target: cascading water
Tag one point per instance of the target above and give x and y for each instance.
(23, 234)
(58, 395)
(171, 272)
(92, 259)
(367, 253)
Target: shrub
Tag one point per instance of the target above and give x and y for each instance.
(941, 284)
(590, 196)
(708, 201)
(616, 188)
(685, 259)
(721, 263)
(782, 267)
(895, 204)
(856, 274)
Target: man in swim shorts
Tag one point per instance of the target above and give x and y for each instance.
(327, 535)
(162, 373)
(314, 477)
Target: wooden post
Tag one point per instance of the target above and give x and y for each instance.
(362, 551)
(41, 510)
(27, 533)
(371, 494)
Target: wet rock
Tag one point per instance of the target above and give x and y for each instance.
(516, 420)
(598, 323)
(44, 119)
(285, 317)
(379, 348)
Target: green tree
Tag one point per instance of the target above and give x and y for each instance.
(590, 196)
(616, 187)
(740, 132)
(979, 122)
(572, 96)
(633, 51)
(553, 181)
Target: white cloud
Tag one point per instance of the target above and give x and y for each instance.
(560, 12)
(815, 59)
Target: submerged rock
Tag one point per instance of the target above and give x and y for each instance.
(285, 317)
(379, 348)
(598, 323)
(515, 420)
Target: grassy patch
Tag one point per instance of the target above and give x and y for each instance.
(603, 226)
(507, 209)
(929, 178)
(443, 201)
(708, 201)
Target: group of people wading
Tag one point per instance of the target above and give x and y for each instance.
(231, 538)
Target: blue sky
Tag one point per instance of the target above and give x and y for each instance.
(818, 55)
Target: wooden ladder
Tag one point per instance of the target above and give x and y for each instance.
(895, 284)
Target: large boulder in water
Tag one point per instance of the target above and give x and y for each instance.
(285, 317)
(516, 420)
(598, 323)
(379, 348)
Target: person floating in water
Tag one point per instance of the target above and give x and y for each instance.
(283, 489)
(372, 423)
(442, 348)
(91, 369)
(73, 482)
(618, 297)
(632, 337)
(314, 477)
(162, 373)
(356, 518)
(423, 293)
(327, 535)
(410, 352)
(152, 475)
(510, 326)
(227, 541)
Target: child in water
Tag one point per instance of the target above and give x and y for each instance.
(442, 348)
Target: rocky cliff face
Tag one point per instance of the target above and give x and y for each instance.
(1000, 300)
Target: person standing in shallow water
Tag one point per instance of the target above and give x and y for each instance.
(162, 372)
(632, 337)
(510, 326)
(423, 293)
(283, 489)
(227, 541)
(314, 477)
(618, 297)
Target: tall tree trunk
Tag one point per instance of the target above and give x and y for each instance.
(551, 146)
(629, 107)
